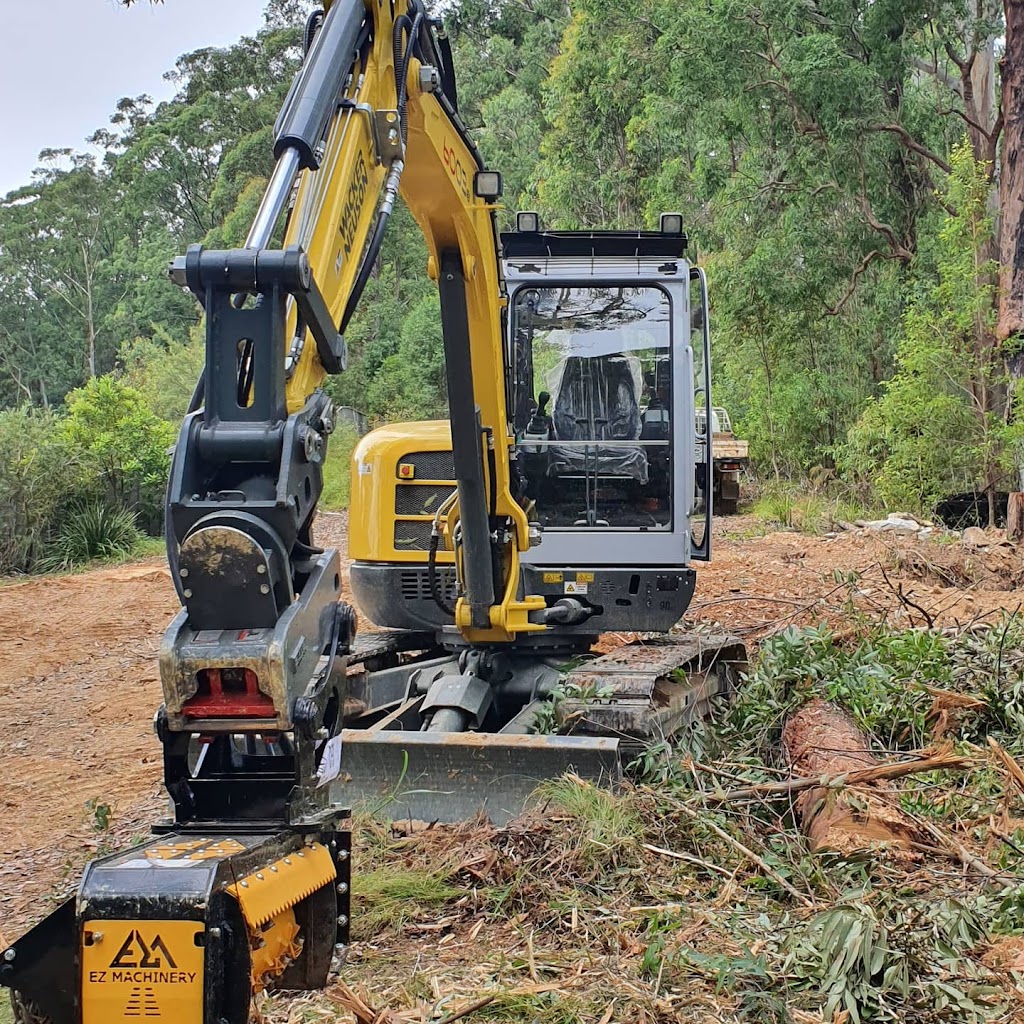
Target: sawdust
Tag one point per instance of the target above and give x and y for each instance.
(79, 682)
(1005, 954)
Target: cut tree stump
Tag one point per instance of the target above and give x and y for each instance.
(821, 741)
(1015, 517)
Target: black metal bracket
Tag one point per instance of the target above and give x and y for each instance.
(215, 276)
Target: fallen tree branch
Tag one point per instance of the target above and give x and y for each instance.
(687, 858)
(888, 771)
(968, 859)
(477, 1004)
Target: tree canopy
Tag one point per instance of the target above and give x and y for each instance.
(835, 162)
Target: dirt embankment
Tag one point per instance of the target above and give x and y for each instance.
(79, 682)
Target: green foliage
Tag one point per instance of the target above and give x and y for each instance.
(123, 442)
(550, 1007)
(882, 679)
(92, 531)
(76, 487)
(873, 962)
(409, 384)
(165, 370)
(100, 811)
(775, 506)
(934, 429)
(552, 716)
(782, 506)
(762, 126)
(607, 824)
(38, 470)
(338, 468)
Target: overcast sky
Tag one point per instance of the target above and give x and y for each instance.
(64, 64)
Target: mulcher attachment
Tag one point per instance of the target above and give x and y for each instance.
(187, 928)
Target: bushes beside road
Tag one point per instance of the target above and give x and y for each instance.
(82, 484)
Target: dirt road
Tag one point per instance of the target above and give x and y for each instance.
(79, 684)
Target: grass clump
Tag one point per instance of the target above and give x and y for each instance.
(775, 507)
(604, 823)
(338, 469)
(781, 507)
(386, 899)
(90, 532)
(527, 1008)
(813, 509)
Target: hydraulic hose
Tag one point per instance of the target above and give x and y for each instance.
(435, 543)
(432, 579)
(373, 251)
(402, 56)
(447, 70)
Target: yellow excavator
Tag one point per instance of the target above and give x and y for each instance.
(565, 498)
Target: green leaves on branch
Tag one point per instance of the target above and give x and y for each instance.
(941, 423)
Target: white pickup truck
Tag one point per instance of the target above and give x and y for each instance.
(730, 455)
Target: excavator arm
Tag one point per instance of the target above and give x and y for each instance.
(396, 130)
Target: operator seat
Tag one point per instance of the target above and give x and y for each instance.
(596, 401)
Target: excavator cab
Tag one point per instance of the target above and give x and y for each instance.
(600, 321)
(604, 375)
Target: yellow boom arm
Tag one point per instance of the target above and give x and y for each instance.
(395, 128)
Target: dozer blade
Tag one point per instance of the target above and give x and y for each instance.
(447, 777)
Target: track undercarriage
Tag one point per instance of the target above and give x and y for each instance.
(514, 718)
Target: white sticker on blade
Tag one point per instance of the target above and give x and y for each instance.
(576, 588)
(330, 763)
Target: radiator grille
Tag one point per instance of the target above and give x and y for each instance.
(412, 536)
(419, 499)
(429, 465)
(415, 584)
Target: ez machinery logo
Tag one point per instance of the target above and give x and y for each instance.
(139, 961)
(146, 956)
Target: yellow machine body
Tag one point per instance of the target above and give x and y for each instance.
(397, 491)
(142, 970)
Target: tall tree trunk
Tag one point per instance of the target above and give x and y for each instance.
(1010, 329)
(1011, 179)
(90, 317)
